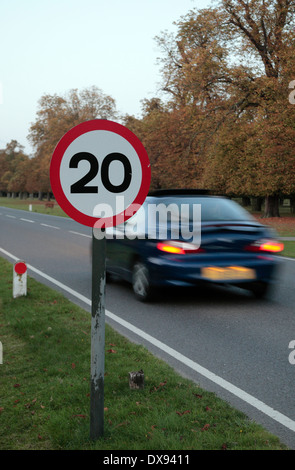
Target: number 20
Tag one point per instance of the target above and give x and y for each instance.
(80, 185)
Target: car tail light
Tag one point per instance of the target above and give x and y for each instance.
(271, 246)
(179, 248)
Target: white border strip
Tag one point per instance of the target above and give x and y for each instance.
(246, 397)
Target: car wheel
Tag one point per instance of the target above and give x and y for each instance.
(260, 289)
(141, 283)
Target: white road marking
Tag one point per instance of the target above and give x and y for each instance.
(11, 216)
(246, 397)
(28, 220)
(50, 226)
(289, 259)
(78, 233)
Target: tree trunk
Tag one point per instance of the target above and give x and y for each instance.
(292, 204)
(245, 201)
(256, 203)
(271, 206)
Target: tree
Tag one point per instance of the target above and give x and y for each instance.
(55, 116)
(227, 72)
(13, 162)
(265, 28)
(195, 77)
(266, 31)
(165, 133)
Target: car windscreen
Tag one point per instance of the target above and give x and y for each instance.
(184, 208)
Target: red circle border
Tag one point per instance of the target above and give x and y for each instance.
(67, 139)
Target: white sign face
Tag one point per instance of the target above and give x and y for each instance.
(100, 173)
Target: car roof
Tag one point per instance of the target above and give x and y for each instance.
(181, 192)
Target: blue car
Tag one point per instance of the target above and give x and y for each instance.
(187, 237)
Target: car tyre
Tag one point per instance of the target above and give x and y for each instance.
(141, 282)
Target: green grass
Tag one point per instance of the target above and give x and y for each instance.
(37, 206)
(45, 387)
(289, 249)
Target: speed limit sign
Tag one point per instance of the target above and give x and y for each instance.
(100, 176)
(100, 171)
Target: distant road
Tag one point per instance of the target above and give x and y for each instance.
(223, 339)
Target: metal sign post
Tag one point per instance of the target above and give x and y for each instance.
(97, 337)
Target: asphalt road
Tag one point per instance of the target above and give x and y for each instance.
(223, 339)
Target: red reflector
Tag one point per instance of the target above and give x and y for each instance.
(20, 267)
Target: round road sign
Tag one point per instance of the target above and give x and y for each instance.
(100, 173)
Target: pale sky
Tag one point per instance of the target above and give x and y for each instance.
(53, 46)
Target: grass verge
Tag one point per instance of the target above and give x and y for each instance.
(45, 387)
(37, 206)
(289, 249)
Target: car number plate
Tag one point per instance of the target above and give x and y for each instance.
(230, 273)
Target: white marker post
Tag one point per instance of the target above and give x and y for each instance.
(96, 164)
(19, 279)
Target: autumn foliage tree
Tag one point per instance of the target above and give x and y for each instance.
(14, 164)
(224, 120)
(166, 135)
(226, 73)
(266, 32)
(55, 116)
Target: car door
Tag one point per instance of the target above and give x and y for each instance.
(114, 249)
